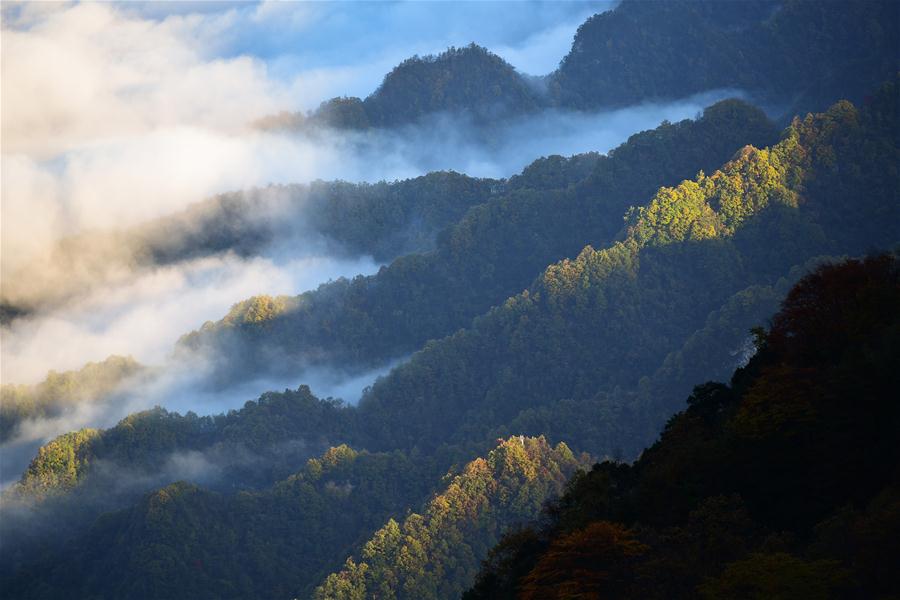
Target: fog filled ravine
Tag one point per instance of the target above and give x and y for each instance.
(437, 300)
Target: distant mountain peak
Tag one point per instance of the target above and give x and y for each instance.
(468, 79)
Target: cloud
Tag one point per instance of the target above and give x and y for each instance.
(179, 384)
(110, 119)
(446, 141)
(126, 180)
(118, 113)
(144, 316)
(74, 73)
(89, 72)
(142, 313)
(114, 114)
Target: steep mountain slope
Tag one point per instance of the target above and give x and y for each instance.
(470, 79)
(797, 52)
(264, 441)
(610, 316)
(783, 484)
(706, 491)
(799, 55)
(495, 251)
(628, 415)
(644, 50)
(586, 329)
(183, 541)
(434, 555)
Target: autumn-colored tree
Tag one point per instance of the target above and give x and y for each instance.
(594, 562)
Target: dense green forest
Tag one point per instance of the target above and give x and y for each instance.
(798, 54)
(550, 211)
(802, 52)
(743, 494)
(766, 245)
(610, 316)
(804, 55)
(545, 321)
(577, 355)
(433, 555)
(480, 260)
(186, 541)
(469, 78)
(783, 484)
(80, 475)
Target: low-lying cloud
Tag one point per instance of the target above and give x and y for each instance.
(114, 115)
(125, 180)
(179, 384)
(144, 314)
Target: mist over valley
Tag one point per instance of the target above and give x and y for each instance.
(417, 300)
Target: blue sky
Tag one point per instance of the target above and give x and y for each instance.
(321, 34)
(348, 47)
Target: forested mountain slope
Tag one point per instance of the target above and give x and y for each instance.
(794, 55)
(798, 55)
(80, 475)
(783, 484)
(571, 351)
(610, 316)
(628, 415)
(61, 392)
(538, 321)
(263, 544)
(432, 555)
(797, 52)
(547, 213)
(707, 491)
(184, 541)
(469, 79)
